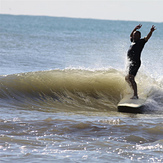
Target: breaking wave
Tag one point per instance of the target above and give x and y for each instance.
(76, 89)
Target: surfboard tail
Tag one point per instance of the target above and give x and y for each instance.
(128, 105)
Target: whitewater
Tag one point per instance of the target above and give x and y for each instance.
(60, 82)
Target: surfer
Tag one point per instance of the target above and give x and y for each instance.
(134, 54)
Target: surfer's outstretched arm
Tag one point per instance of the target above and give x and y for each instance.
(150, 33)
(137, 27)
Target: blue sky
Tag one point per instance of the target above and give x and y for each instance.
(139, 10)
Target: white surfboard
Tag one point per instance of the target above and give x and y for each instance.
(131, 105)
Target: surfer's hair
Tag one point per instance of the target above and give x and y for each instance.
(139, 33)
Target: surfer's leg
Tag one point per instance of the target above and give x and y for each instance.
(130, 78)
(134, 86)
(131, 81)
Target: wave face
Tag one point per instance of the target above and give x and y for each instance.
(76, 89)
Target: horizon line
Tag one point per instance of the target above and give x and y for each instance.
(71, 17)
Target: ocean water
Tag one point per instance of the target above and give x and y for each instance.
(60, 82)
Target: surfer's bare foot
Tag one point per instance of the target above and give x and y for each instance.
(134, 97)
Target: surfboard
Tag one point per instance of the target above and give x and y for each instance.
(129, 105)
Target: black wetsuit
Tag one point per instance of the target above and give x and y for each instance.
(134, 54)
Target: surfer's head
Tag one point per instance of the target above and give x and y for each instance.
(136, 35)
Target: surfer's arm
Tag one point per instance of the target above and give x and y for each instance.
(137, 27)
(150, 33)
